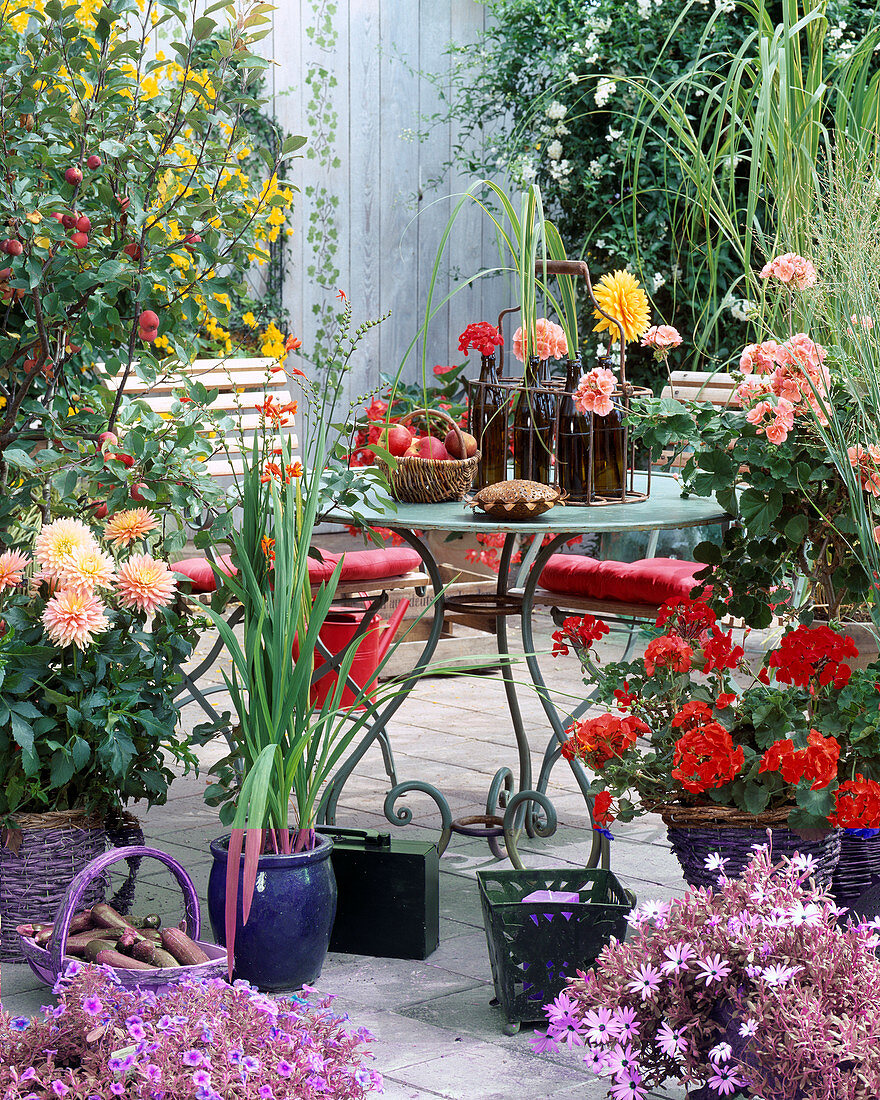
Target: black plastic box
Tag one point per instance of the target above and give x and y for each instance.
(388, 894)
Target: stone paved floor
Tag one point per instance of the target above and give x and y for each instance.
(437, 1033)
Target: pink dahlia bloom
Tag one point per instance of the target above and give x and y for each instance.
(12, 566)
(593, 394)
(74, 617)
(145, 583)
(57, 541)
(791, 268)
(86, 569)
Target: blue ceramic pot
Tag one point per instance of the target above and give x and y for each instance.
(284, 943)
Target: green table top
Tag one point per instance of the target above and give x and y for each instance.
(664, 508)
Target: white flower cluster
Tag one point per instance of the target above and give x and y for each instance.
(613, 135)
(595, 169)
(560, 170)
(556, 110)
(605, 89)
(554, 149)
(726, 7)
(658, 279)
(741, 309)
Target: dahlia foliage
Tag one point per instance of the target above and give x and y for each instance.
(693, 723)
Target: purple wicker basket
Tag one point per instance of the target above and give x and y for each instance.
(692, 845)
(858, 869)
(49, 961)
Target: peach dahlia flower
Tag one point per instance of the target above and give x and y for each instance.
(12, 566)
(125, 527)
(74, 617)
(145, 583)
(57, 541)
(86, 569)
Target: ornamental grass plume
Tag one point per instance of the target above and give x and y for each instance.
(619, 294)
(751, 988)
(198, 1040)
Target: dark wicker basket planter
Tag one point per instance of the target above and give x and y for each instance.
(858, 868)
(54, 848)
(697, 832)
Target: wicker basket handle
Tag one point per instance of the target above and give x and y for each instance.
(441, 414)
(79, 885)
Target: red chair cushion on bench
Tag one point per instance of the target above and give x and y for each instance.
(649, 581)
(359, 565)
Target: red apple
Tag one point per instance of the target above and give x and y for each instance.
(57, 217)
(123, 201)
(428, 447)
(94, 161)
(68, 221)
(452, 444)
(135, 491)
(14, 248)
(73, 175)
(5, 273)
(132, 249)
(80, 240)
(148, 335)
(148, 319)
(397, 439)
(99, 509)
(83, 224)
(107, 439)
(125, 459)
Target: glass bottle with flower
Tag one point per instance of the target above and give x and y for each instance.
(694, 733)
(92, 637)
(488, 404)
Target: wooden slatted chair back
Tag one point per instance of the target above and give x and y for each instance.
(243, 384)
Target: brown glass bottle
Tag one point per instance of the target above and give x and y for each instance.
(533, 425)
(573, 442)
(608, 451)
(489, 425)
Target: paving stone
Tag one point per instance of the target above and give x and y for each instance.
(390, 983)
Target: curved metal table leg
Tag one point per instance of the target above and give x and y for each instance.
(599, 849)
(330, 797)
(403, 815)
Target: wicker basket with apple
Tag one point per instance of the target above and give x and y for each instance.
(431, 470)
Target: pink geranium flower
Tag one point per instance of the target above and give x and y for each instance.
(760, 358)
(549, 342)
(593, 394)
(791, 268)
(661, 339)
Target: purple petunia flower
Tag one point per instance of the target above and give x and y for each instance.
(202, 1079)
(192, 1058)
(19, 1023)
(266, 1093)
(92, 1006)
(117, 1088)
(153, 1072)
(59, 1088)
(283, 1068)
(250, 1064)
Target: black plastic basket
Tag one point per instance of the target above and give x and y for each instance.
(535, 946)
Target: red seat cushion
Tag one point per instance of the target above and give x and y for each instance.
(649, 581)
(358, 565)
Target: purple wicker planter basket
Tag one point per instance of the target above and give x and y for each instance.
(858, 869)
(693, 844)
(48, 962)
(54, 847)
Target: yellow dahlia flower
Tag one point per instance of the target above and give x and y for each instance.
(620, 296)
(58, 540)
(86, 569)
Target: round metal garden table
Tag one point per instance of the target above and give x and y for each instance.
(524, 805)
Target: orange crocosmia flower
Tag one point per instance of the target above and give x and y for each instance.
(293, 470)
(340, 294)
(270, 470)
(267, 545)
(292, 343)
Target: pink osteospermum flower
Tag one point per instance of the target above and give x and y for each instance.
(86, 569)
(57, 541)
(712, 969)
(76, 617)
(725, 1081)
(627, 1021)
(677, 958)
(125, 527)
(629, 1089)
(12, 566)
(600, 1025)
(671, 1042)
(645, 981)
(145, 583)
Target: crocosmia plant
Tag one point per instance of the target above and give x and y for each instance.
(200, 1039)
(92, 638)
(751, 989)
(691, 723)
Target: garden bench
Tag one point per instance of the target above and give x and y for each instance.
(243, 385)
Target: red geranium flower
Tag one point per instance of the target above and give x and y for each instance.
(580, 633)
(816, 763)
(689, 618)
(481, 336)
(693, 714)
(598, 740)
(669, 651)
(810, 653)
(857, 804)
(705, 758)
(601, 807)
(720, 653)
